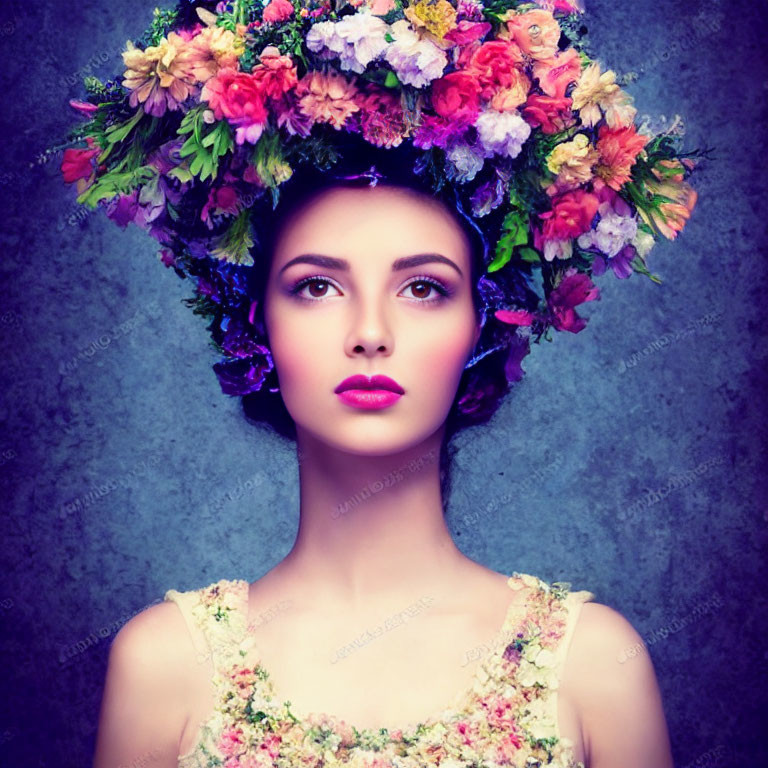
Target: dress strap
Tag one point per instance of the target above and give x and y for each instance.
(216, 616)
(572, 603)
(186, 602)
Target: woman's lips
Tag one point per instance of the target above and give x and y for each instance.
(369, 398)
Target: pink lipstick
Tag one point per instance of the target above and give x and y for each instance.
(369, 392)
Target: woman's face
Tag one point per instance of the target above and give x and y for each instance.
(372, 280)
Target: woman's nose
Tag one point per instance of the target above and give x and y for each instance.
(370, 332)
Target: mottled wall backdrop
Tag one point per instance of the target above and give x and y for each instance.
(627, 462)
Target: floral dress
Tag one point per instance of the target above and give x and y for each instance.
(507, 718)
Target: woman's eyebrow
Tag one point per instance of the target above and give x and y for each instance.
(406, 262)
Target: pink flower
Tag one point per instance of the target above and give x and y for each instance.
(618, 148)
(571, 215)
(238, 97)
(277, 11)
(231, 741)
(514, 316)
(221, 200)
(574, 289)
(552, 113)
(76, 163)
(497, 65)
(457, 96)
(568, 6)
(276, 72)
(382, 119)
(84, 107)
(466, 32)
(556, 74)
(536, 32)
(381, 7)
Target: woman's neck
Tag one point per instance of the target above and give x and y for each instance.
(371, 524)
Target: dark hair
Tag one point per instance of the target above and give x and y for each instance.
(482, 386)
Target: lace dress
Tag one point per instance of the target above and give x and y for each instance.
(507, 718)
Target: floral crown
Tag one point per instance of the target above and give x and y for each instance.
(220, 103)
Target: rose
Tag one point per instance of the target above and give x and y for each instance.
(496, 65)
(277, 11)
(552, 113)
(571, 215)
(456, 96)
(556, 74)
(536, 32)
(237, 96)
(276, 73)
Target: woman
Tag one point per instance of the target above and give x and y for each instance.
(390, 295)
(365, 329)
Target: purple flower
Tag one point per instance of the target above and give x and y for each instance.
(620, 263)
(238, 341)
(240, 377)
(123, 208)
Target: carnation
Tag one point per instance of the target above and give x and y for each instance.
(358, 39)
(415, 61)
(502, 133)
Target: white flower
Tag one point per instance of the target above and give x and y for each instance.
(643, 242)
(611, 234)
(415, 61)
(539, 720)
(357, 40)
(502, 133)
(466, 161)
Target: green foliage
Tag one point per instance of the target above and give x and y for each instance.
(162, 22)
(205, 147)
(269, 161)
(235, 244)
(116, 182)
(314, 150)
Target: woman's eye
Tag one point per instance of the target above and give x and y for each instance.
(421, 290)
(312, 284)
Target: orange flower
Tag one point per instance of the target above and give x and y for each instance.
(327, 97)
(670, 218)
(618, 148)
(536, 32)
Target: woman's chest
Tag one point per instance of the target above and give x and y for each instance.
(373, 682)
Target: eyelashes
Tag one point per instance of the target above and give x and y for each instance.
(443, 291)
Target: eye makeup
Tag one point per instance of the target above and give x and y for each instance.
(444, 292)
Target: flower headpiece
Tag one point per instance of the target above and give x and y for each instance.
(220, 103)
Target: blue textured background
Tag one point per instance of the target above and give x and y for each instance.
(547, 488)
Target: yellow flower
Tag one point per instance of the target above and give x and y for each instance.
(573, 161)
(432, 19)
(213, 49)
(160, 76)
(597, 89)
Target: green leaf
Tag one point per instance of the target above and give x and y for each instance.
(234, 245)
(529, 254)
(120, 132)
(515, 232)
(391, 80)
(639, 266)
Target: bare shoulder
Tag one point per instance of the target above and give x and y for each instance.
(146, 691)
(610, 678)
